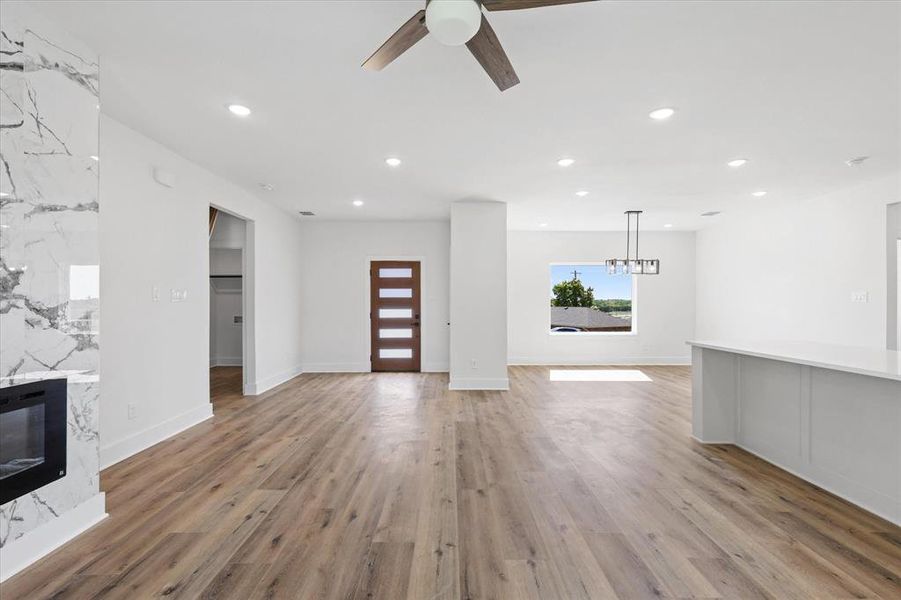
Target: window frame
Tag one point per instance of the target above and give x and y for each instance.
(550, 286)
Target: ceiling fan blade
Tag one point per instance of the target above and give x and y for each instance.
(403, 39)
(520, 4)
(485, 46)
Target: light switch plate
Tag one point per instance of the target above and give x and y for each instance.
(860, 296)
(155, 294)
(178, 295)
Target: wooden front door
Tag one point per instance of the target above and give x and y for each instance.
(394, 314)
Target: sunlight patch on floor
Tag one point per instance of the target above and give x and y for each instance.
(598, 375)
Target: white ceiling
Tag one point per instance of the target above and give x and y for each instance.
(796, 87)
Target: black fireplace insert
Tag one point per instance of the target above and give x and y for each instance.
(32, 436)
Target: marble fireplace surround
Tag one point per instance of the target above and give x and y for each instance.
(49, 264)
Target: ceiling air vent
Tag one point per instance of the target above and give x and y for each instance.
(307, 213)
(711, 213)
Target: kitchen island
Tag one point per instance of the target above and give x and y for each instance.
(828, 414)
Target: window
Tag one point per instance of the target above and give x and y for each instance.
(585, 299)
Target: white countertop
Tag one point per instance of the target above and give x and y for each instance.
(863, 361)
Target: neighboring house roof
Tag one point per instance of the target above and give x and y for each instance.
(585, 317)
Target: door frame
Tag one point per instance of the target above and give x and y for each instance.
(424, 324)
(248, 321)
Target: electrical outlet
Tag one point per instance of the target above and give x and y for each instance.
(132, 411)
(474, 364)
(860, 296)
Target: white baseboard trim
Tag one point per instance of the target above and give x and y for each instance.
(117, 451)
(883, 506)
(712, 442)
(262, 385)
(361, 367)
(880, 505)
(47, 537)
(226, 362)
(479, 383)
(349, 367)
(619, 361)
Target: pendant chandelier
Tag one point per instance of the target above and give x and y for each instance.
(629, 265)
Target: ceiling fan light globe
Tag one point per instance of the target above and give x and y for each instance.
(453, 22)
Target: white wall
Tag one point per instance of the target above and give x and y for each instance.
(156, 353)
(897, 345)
(335, 305)
(893, 276)
(225, 334)
(478, 296)
(229, 232)
(786, 269)
(664, 304)
(225, 261)
(226, 347)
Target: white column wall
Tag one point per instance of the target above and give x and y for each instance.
(478, 296)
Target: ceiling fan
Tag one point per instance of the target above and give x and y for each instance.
(458, 22)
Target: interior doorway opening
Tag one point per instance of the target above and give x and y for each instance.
(227, 248)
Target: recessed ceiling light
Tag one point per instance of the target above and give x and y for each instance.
(267, 186)
(856, 161)
(668, 225)
(542, 224)
(581, 193)
(96, 158)
(392, 161)
(4, 194)
(711, 213)
(737, 162)
(566, 162)
(661, 114)
(358, 203)
(759, 193)
(239, 110)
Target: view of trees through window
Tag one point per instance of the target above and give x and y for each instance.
(584, 298)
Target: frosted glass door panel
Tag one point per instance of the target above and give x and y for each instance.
(395, 353)
(395, 313)
(390, 273)
(395, 333)
(395, 293)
